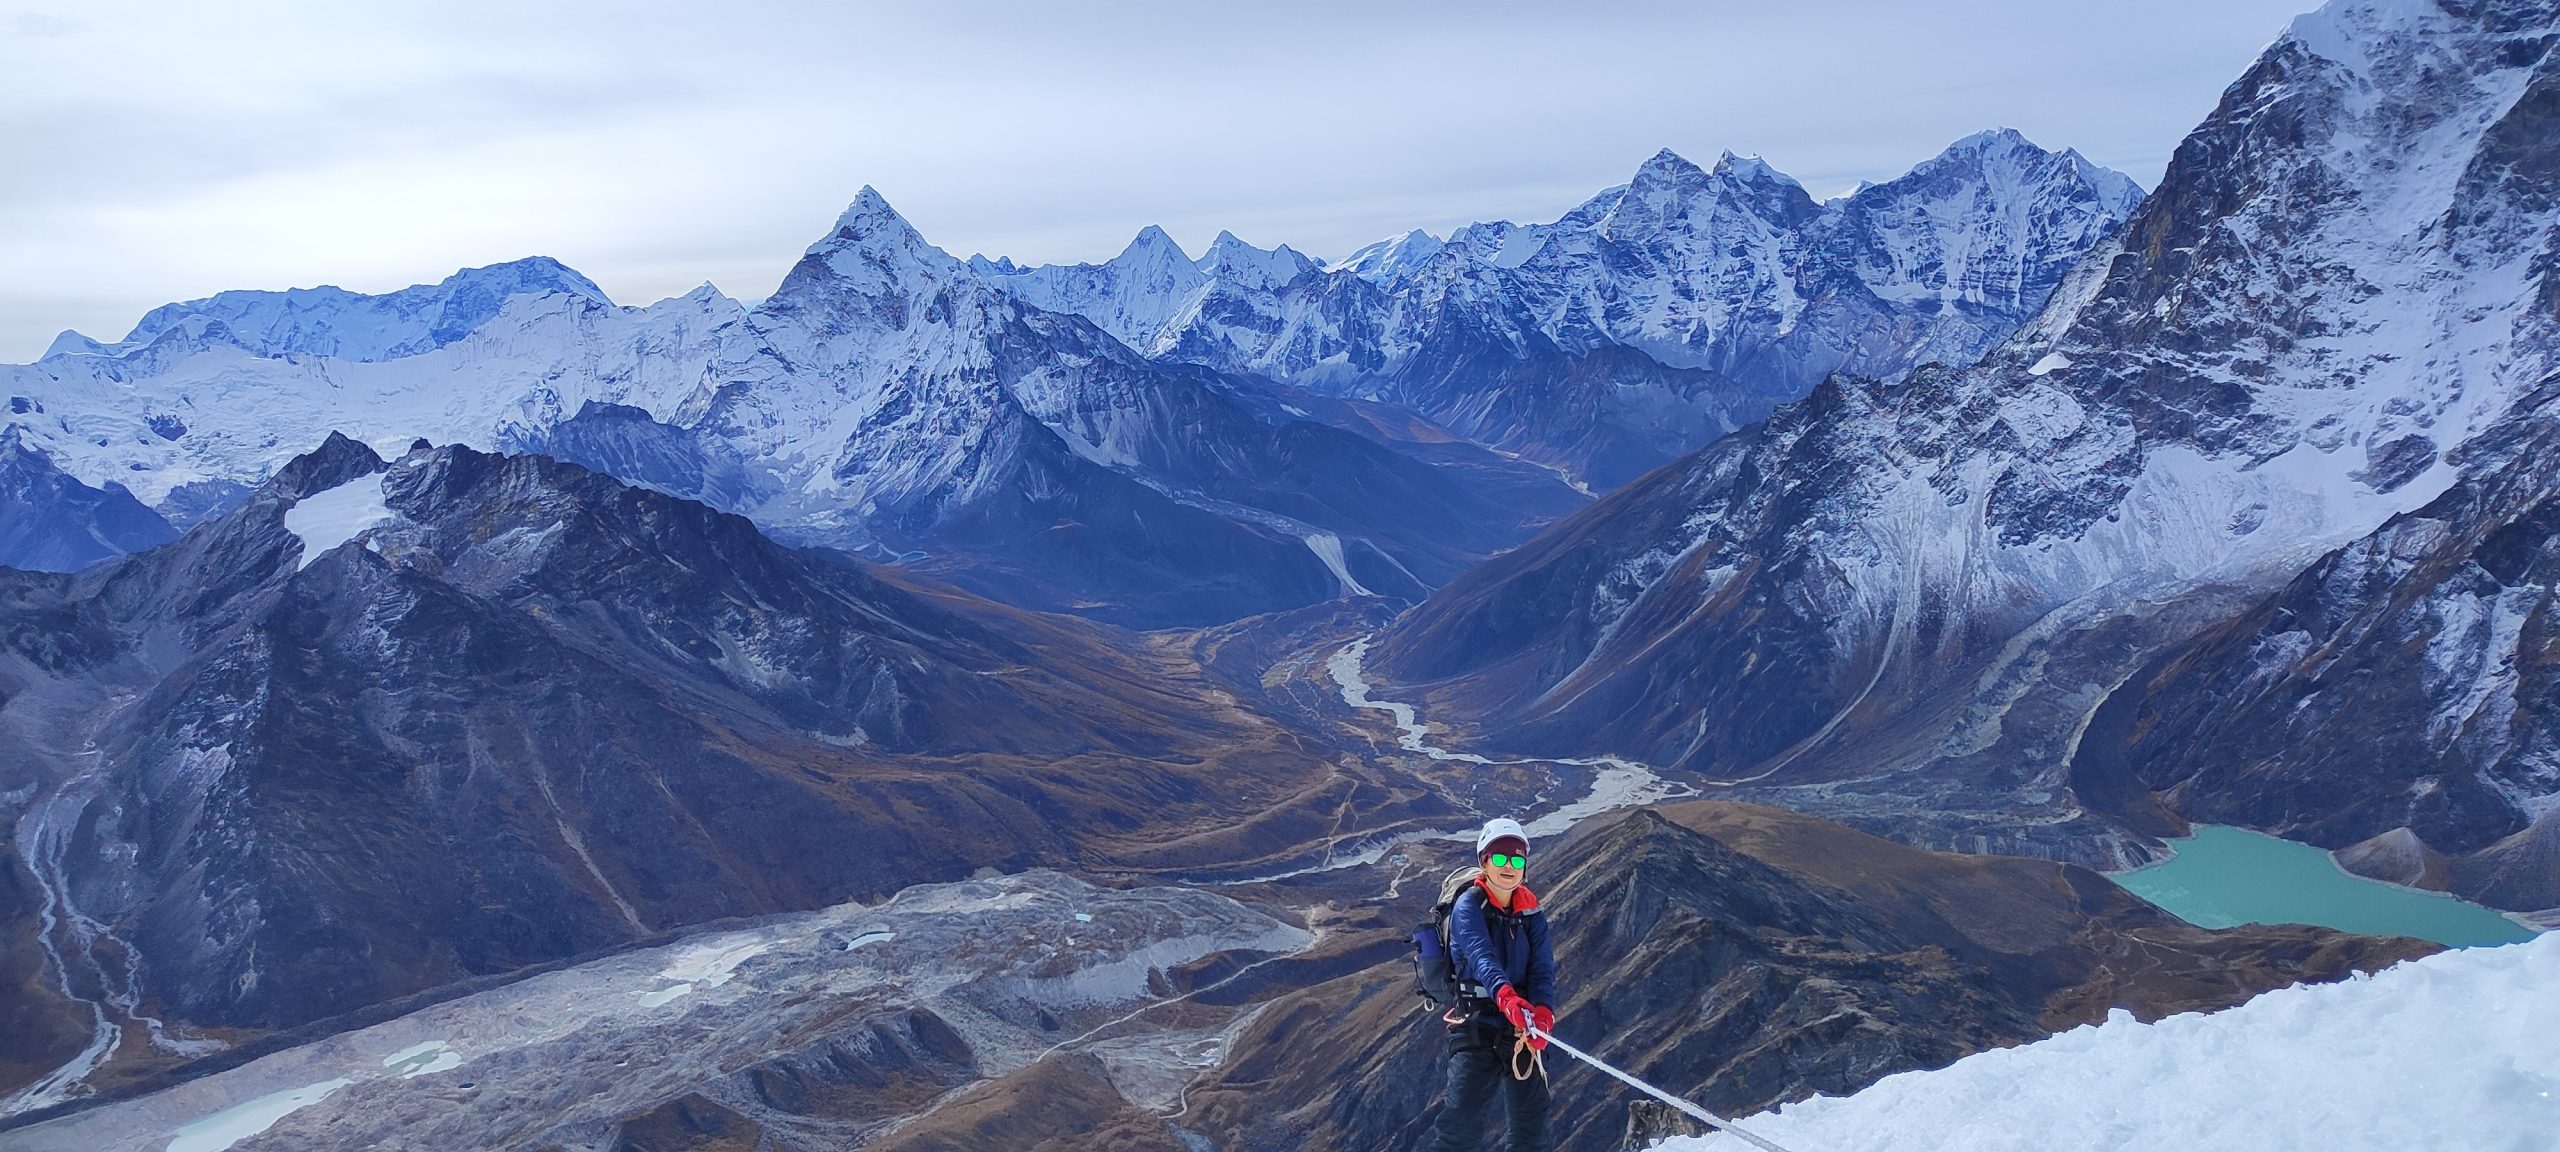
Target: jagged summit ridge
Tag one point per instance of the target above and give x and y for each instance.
(1733, 271)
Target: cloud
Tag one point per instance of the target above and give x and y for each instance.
(171, 150)
(42, 25)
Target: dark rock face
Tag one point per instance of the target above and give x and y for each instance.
(1741, 956)
(51, 522)
(533, 712)
(2403, 686)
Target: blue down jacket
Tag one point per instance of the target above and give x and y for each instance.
(1491, 947)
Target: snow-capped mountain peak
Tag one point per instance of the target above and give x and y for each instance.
(332, 321)
(1750, 170)
(1391, 259)
(1152, 247)
(1232, 260)
(70, 342)
(1733, 269)
(871, 250)
(1671, 194)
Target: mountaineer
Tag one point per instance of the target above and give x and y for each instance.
(1505, 977)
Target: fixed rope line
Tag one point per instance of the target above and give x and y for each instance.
(1694, 1112)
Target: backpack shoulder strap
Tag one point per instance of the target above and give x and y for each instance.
(1456, 884)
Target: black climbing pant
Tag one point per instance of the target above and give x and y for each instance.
(1480, 1069)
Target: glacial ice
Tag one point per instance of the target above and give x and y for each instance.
(239, 1122)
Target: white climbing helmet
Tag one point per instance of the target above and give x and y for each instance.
(1498, 828)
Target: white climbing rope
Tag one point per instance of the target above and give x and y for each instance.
(1694, 1112)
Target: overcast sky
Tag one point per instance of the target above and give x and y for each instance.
(165, 151)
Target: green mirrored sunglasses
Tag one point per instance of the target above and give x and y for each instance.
(1498, 860)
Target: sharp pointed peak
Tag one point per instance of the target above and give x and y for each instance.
(1748, 168)
(1154, 240)
(1668, 164)
(2001, 137)
(870, 224)
(1230, 257)
(871, 249)
(868, 212)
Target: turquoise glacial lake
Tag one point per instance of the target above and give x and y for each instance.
(2226, 876)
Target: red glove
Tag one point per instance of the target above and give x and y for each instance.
(1514, 1009)
(1543, 1019)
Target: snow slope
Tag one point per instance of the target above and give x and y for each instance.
(2458, 1051)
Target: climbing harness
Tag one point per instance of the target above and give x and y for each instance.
(1694, 1112)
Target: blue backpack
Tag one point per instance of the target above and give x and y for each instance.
(1435, 974)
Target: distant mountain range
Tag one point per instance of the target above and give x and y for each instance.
(1651, 319)
(1153, 441)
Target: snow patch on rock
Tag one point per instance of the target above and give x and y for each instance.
(325, 520)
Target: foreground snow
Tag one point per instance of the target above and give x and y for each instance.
(2457, 1051)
